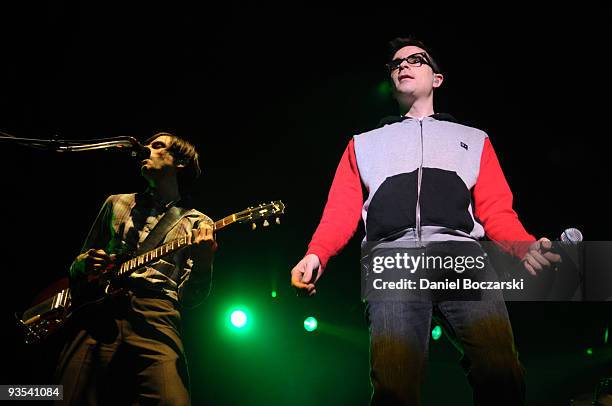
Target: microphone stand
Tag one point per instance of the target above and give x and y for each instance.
(123, 143)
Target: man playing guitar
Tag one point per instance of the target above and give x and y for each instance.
(129, 349)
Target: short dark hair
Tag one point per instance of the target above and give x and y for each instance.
(398, 43)
(185, 151)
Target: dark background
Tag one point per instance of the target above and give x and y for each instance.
(271, 96)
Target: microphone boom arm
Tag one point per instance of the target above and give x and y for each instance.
(127, 143)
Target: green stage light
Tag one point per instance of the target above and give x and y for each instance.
(384, 89)
(589, 351)
(273, 294)
(239, 318)
(310, 324)
(436, 333)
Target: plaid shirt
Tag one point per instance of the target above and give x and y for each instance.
(125, 221)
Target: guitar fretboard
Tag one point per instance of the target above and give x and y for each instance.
(167, 248)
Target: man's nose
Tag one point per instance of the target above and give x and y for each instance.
(403, 65)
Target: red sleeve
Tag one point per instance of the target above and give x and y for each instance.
(493, 206)
(342, 210)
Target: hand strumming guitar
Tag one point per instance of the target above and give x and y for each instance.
(91, 262)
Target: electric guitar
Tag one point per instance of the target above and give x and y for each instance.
(52, 313)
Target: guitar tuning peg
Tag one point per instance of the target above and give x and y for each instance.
(266, 223)
(253, 226)
(277, 220)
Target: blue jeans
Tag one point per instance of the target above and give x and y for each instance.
(399, 340)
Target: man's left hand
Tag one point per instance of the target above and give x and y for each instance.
(540, 257)
(203, 240)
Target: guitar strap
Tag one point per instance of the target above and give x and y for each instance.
(163, 226)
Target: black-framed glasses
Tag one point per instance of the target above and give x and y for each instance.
(414, 60)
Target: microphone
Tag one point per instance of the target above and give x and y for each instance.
(568, 243)
(571, 236)
(139, 151)
(128, 144)
(569, 283)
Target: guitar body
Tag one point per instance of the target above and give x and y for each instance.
(48, 313)
(55, 307)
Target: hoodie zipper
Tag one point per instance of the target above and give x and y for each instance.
(419, 180)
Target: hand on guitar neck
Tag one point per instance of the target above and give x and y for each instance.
(203, 243)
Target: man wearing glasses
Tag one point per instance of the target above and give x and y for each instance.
(428, 178)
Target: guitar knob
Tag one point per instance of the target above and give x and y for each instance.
(253, 226)
(265, 223)
(278, 220)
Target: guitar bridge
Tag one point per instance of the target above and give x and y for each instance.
(41, 320)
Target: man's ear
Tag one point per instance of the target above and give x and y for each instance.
(438, 78)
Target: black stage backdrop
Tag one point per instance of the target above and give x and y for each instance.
(271, 96)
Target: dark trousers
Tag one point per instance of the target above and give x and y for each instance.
(128, 351)
(399, 340)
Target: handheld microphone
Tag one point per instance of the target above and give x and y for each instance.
(568, 283)
(571, 236)
(568, 243)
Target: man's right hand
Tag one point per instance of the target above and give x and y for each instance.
(305, 274)
(540, 257)
(91, 262)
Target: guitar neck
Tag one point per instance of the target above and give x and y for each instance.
(224, 222)
(168, 248)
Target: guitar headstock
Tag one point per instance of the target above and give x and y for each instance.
(262, 213)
